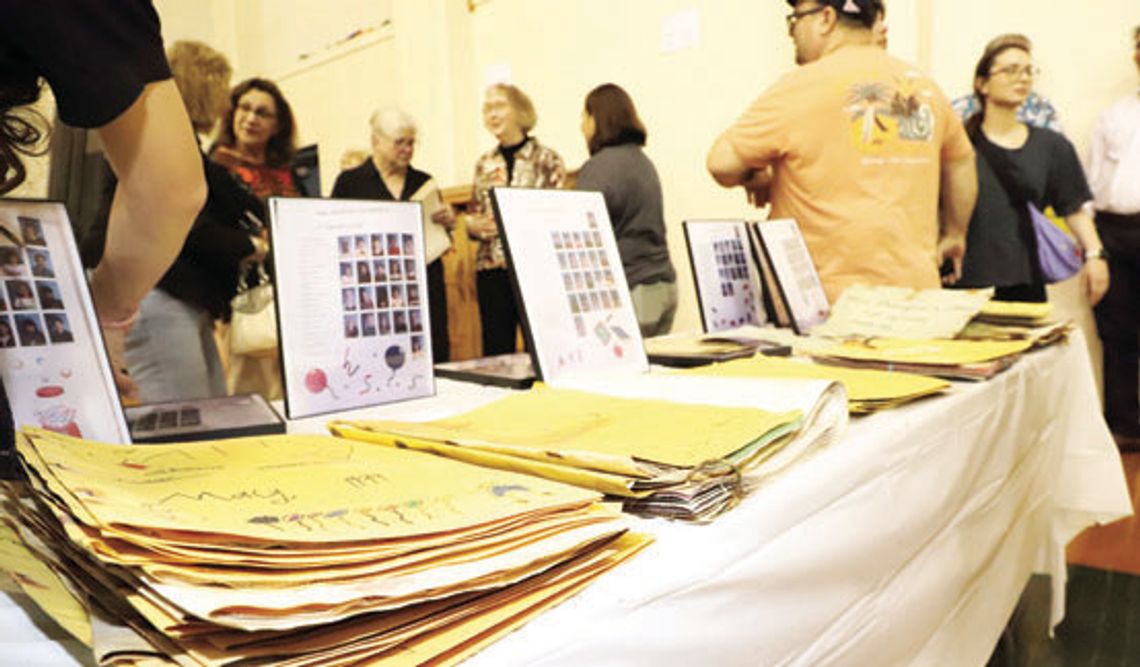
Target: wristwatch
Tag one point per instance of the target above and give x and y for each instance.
(1099, 253)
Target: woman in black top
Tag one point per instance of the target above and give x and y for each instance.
(389, 175)
(1001, 249)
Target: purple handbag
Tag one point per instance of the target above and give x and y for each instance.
(1059, 257)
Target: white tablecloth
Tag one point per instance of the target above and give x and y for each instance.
(908, 543)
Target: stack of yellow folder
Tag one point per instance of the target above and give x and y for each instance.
(1012, 320)
(295, 550)
(867, 390)
(680, 460)
(952, 359)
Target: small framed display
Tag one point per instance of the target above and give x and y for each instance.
(55, 367)
(568, 277)
(204, 419)
(799, 297)
(725, 273)
(351, 303)
(514, 371)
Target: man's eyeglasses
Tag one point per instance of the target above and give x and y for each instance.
(794, 17)
(260, 112)
(1015, 71)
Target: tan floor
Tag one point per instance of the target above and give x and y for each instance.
(1115, 547)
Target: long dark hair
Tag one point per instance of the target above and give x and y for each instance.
(615, 118)
(20, 129)
(283, 144)
(982, 74)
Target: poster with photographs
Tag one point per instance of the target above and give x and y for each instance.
(725, 272)
(795, 275)
(351, 302)
(56, 371)
(566, 268)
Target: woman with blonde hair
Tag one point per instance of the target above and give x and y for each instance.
(518, 160)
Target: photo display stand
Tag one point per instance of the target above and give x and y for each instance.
(789, 272)
(55, 367)
(725, 273)
(568, 277)
(351, 303)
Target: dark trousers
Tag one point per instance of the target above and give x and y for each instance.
(437, 311)
(1030, 293)
(1118, 322)
(498, 311)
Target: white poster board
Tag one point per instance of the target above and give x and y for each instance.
(351, 303)
(568, 274)
(55, 368)
(725, 273)
(800, 288)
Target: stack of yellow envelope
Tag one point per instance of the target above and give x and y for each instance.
(952, 359)
(1013, 320)
(682, 460)
(298, 550)
(867, 390)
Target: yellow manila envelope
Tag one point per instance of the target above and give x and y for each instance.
(283, 489)
(623, 436)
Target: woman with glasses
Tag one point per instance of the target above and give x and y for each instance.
(388, 175)
(517, 160)
(1019, 164)
(257, 139)
(256, 143)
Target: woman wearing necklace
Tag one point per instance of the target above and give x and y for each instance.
(518, 161)
(389, 176)
(1018, 163)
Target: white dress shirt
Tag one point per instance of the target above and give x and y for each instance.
(1114, 165)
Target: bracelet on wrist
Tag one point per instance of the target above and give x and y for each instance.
(1099, 253)
(120, 325)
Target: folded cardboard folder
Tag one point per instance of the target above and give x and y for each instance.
(953, 359)
(694, 458)
(296, 550)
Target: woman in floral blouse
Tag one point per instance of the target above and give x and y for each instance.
(517, 161)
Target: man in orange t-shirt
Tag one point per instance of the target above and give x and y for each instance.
(860, 148)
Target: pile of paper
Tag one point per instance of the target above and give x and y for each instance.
(1012, 320)
(646, 439)
(297, 550)
(952, 359)
(898, 312)
(867, 390)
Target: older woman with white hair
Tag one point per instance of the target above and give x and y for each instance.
(389, 176)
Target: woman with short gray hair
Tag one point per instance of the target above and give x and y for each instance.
(388, 175)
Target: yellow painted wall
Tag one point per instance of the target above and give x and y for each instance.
(439, 54)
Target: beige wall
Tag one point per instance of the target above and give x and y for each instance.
(438, 55)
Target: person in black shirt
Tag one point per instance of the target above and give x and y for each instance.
(1001, 250)
(171, 352)
(106, 68)
(389, 175)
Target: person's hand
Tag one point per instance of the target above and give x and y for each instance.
(444, 218)
(952, 248)
(115, 338)
(758, 187)
(1095, 277)
(481, 227)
